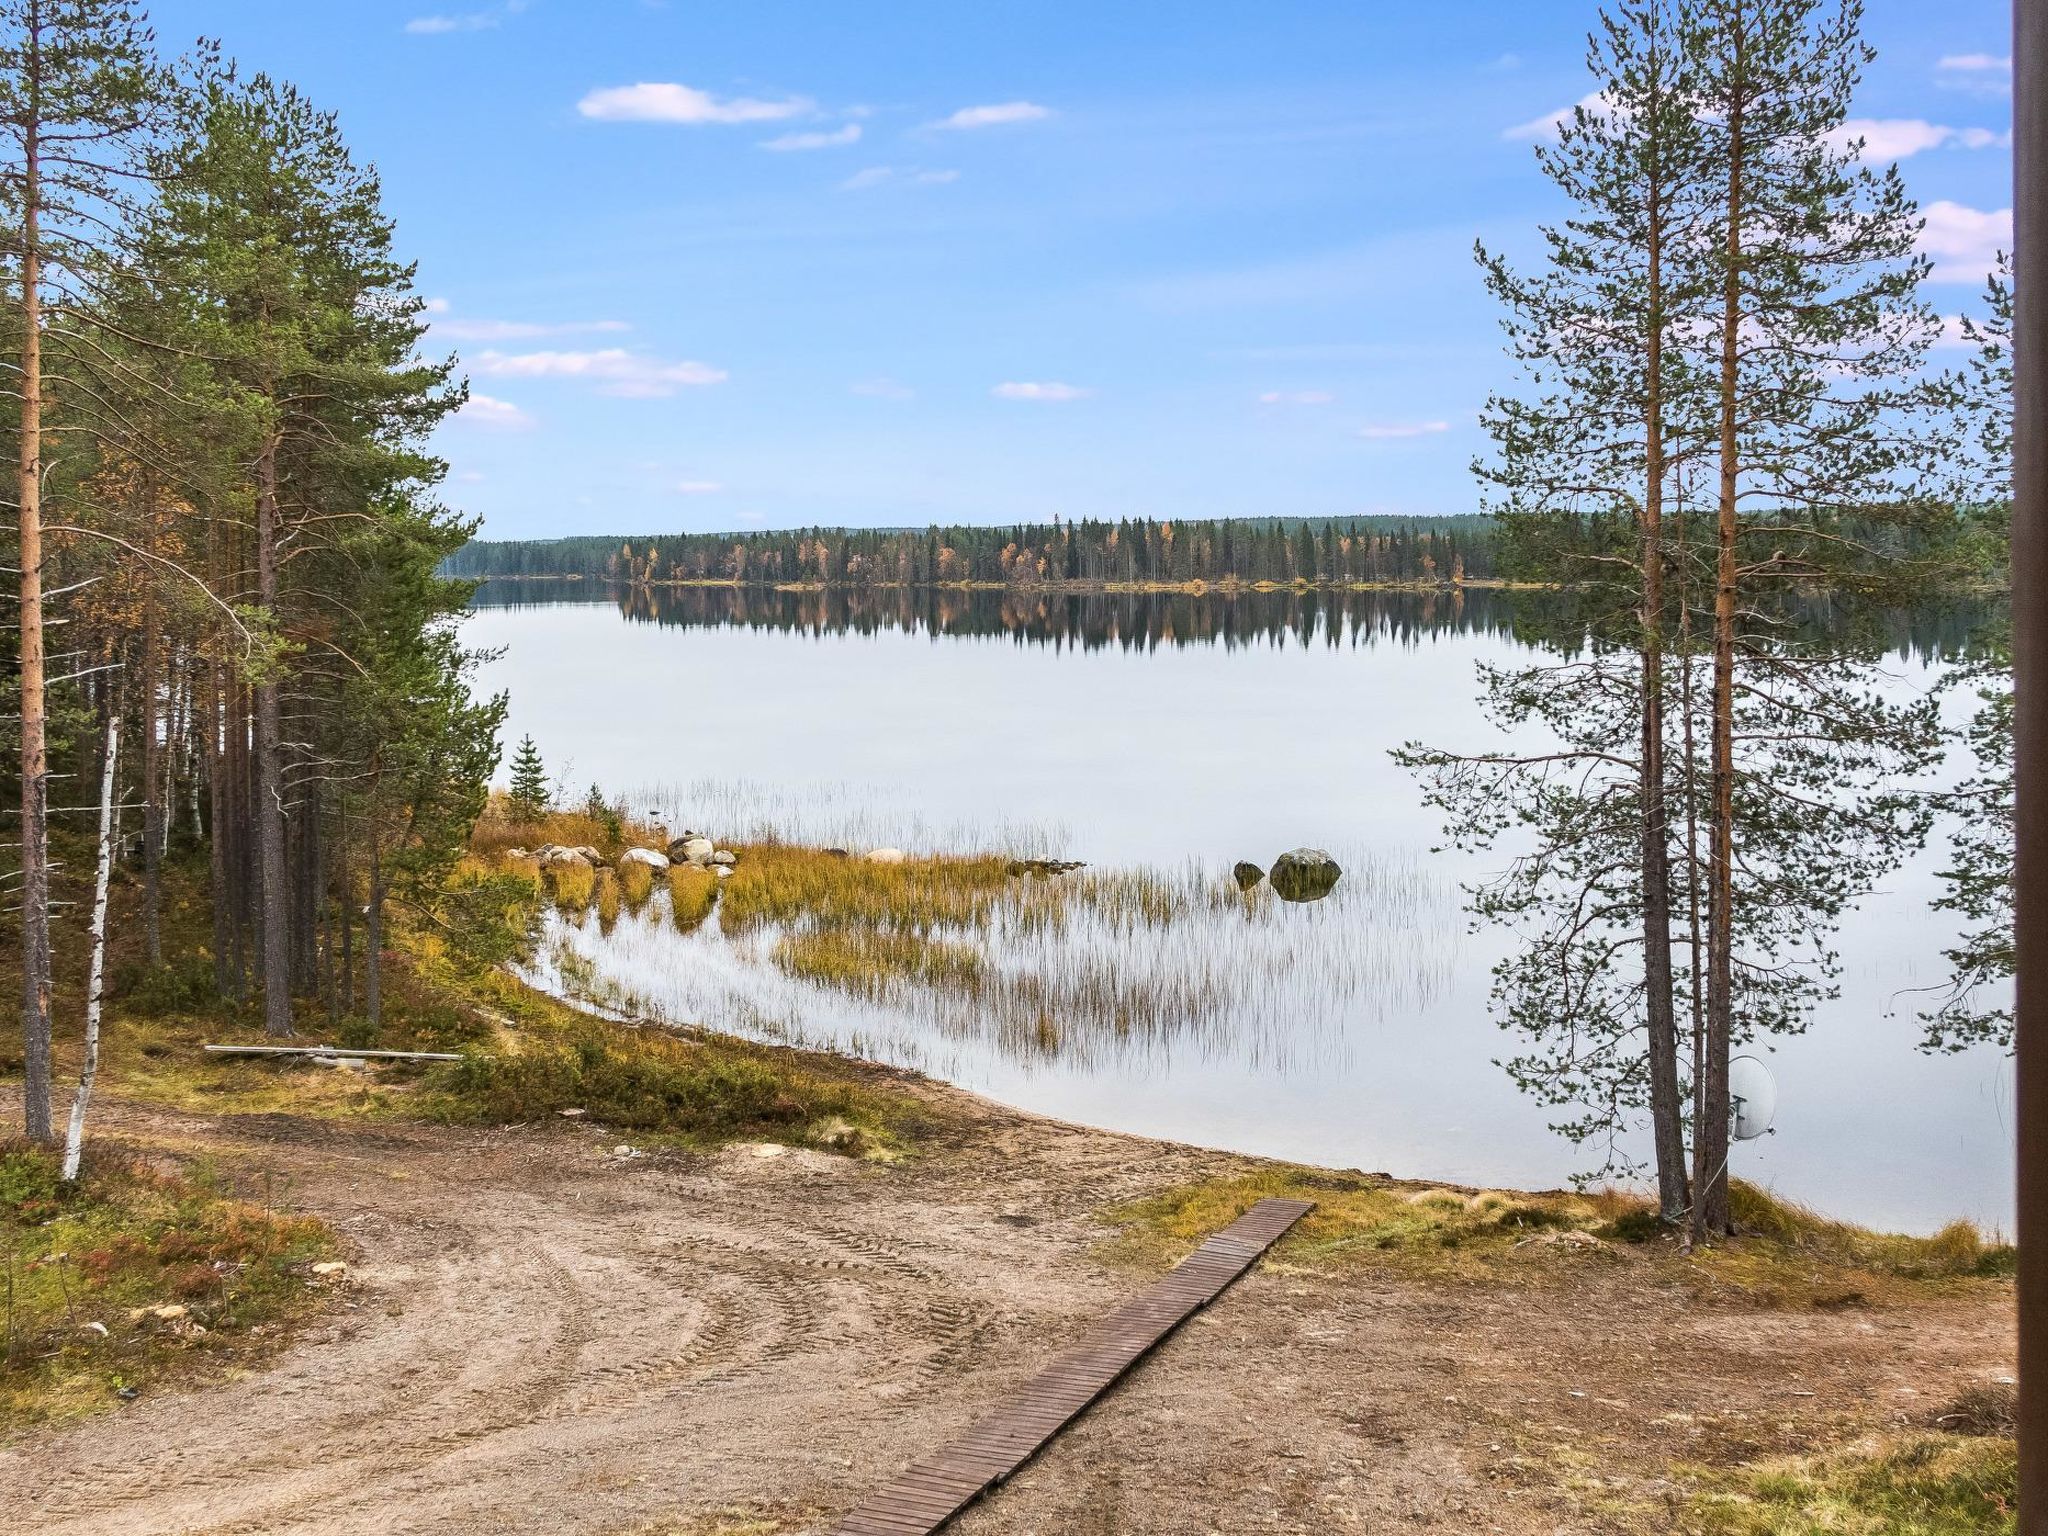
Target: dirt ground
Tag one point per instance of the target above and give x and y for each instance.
(539, 1335)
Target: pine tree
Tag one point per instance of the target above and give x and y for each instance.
(283, 254)
(1815, 323)
(1980, 872)
(80, 100)
(1584, 460)
(529, 782)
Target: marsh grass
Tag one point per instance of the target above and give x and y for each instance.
(636, 884)
(775, 884)
(1958, 1250)
(84, 1262)
(692, 893)
(1081, 968)
(869, 961)
(1909, 1485)
(572, 886)
(1360, 1218)
(1789, 1258)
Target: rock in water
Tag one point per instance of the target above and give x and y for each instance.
(1304, 874)
(725, 858)
(645, 856)
(1246, 874)
(695, 849)
(886, 856)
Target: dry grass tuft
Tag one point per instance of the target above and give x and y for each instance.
(1989, 1408)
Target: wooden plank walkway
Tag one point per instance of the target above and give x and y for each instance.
(939, 1487)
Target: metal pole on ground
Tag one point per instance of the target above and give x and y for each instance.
(2030, 736)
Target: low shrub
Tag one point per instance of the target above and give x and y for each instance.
(184, 985)
(133, 1272)
(637, 1079)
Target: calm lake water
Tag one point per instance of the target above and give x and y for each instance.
(1182, 734)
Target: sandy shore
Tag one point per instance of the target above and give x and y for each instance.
(539, 1335)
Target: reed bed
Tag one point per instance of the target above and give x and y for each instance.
(936, 962)
(803, 887)
(841, 815)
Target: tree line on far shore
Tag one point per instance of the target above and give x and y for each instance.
(1405, 551)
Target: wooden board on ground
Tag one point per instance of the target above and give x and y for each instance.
(939, 1487)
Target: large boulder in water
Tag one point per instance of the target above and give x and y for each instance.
(1304, 874)
(1246, 874)
(647, 856)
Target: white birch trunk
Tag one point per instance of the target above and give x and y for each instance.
(74, 1139)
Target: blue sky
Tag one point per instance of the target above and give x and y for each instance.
(762, 263)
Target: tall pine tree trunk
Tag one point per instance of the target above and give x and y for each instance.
(275, 900)
(35, 766)
(1666, 1107)
(1710, 1135)
(152, 775)
(373, 939)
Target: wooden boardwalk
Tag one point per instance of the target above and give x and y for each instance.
(939, 1487)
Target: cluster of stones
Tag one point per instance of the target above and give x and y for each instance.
(1300, 874)
(691, 848)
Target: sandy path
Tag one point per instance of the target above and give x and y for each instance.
(541, 1337)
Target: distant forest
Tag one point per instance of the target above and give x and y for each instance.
(1427, 551)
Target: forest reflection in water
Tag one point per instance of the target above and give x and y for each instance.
(1148, 620)
(1179, 734)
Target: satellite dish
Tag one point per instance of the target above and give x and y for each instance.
(1752, 1098)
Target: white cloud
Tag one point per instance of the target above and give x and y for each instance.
(883, 389)
(667, 102)
(613, 369)
(850, 134)
(1051, 391)
(1549, 125)
(1895, 138)
(1386, 431)
(500, 415)
(1979, 74)
(435, 306)
(883, 175)
(428, 26)
(466, 21)
(697, 487)
(1296, 397)
(471, 477)
(521, 330)
(997, 115)
(1964, 242)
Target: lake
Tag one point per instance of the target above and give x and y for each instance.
(1179, 734)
